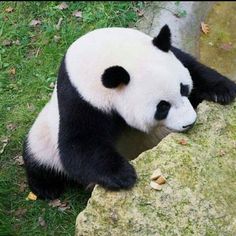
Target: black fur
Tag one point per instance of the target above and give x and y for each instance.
(86, 140)
(45, 182)
(208, 84)
(163, 108)
(114, 76)
(184, 90)
(163, 39)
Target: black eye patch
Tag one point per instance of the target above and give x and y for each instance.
(184, 90)
(162, 110)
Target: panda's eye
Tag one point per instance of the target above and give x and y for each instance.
(162, 110)
(184, 90)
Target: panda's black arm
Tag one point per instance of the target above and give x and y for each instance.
(208, 84)
(92, 161)
(86, 138)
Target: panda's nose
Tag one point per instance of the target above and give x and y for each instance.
(189, 126)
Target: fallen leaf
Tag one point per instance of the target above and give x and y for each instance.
(31, 196)
(59, 23)
(55, 203)
(9, 10)
(19, 160)
(11, 127)
(16, 42)
(12, 71)
(226, 46)
(52, 85)
(20, 212)
(4, 144)
(22, 186)
(62, 6)
(77, 14)
(183, 142)
(56, 38)
(205, 28)
(222, 153)
(42, 222)
(140, 12)
(35, 23)
(63, 208)
(30, 107)
(7, 42)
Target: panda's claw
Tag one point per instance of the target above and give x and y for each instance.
(224, 92)
(124, 178)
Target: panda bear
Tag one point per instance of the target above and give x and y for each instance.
(114, 82)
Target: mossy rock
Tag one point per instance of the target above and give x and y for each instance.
(199, 196)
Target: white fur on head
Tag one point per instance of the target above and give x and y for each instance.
(154, 76)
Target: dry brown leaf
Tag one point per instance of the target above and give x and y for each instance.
(35, 23)
(222, 153)
(205, 28)
(140, 12)
(16, 42)
(19, 160)
(183, 141)
(7, 42)
(22, 186)
(12, 71)
(226, 46)
(62, 6)
(63, 208)
(77, 14)
(20, 212)
(9, 10)
(55, 203)
(11, 127)
(42, 222)
(30, 107)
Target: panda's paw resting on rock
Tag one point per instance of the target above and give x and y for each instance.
(223, 92)
(123, 177)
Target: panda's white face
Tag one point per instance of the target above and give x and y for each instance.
(158, 86)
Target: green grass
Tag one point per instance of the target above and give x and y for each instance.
(22, 96)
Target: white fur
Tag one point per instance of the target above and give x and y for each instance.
(43, 136)
(154, 76)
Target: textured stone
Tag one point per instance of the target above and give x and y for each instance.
(199, 196)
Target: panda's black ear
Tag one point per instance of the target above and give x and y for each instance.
(115, 76)
(163, 39)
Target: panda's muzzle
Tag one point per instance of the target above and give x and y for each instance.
(186, 127)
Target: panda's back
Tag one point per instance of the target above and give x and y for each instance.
(43, 136)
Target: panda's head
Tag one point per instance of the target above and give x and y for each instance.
(135, 75)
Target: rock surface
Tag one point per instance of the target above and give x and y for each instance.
(199, 196)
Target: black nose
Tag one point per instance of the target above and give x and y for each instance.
(188, 126)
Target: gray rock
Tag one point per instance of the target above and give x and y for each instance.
(199, 196)
(185, 29)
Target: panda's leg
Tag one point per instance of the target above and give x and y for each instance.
(45, 183)
(208, 84)
(91, 163)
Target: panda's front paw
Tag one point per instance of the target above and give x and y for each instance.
(123, 178)
(223, 92)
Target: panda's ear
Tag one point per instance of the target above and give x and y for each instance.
(163, 39)
(115, 76)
